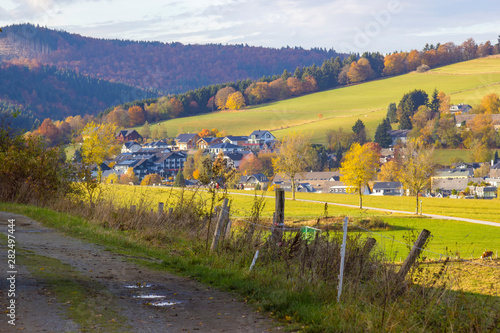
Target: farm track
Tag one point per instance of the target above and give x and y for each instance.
(194, 307)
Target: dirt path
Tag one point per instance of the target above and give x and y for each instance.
(188, 306)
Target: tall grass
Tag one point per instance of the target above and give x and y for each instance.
(294, 278)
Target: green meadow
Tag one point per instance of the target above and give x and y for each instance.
(465, 82)
(448, 237)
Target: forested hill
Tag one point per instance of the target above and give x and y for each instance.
(42, 91)
(170, 67)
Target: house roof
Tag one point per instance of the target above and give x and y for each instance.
(398, 133)
(453, 173)
(460, 107)
(237, 137)
(225, 145)
(386, 185)
(458, 184)
(262, 178)
(258, 134)
(130, 144)
(185, 137)
(126, 133)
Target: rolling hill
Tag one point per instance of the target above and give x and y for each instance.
(42, 91)
(466, 82)
(169, 67)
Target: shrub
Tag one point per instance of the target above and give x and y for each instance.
(422, 68)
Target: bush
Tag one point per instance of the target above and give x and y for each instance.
(422, 68)
(32, 173)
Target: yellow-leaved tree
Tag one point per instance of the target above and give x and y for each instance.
(99, 143)
(292, 157)
(235, 101)
(359, 167)
(418, 166)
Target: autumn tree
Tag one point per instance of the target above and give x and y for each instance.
(151, 179)
(413, 60)
(99, 142)
(490, 104)
(49, 131)
(222, 96)
(266, 160)
(119, 116)
(360, 71)
(291, 159)
(389, 172)
(258, 92)
(250, 165)
(145, 130)
(417, 167)
(136, 114)
(395, 64)
(112, 179)
(294, 85)
(235, 101)
(129, 177)
(358, 168)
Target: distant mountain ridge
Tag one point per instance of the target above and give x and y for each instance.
(43, 91)
(169, 67)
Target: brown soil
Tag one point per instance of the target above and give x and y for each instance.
(197, 308)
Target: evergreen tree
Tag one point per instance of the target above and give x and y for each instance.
(392, 113)
(360, 130)
(179, 181)
(434, 105)
(382, 136)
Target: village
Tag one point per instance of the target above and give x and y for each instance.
(458, 180)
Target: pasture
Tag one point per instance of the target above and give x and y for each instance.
(465, 82)
(453, 238)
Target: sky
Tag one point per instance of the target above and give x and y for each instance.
(344, 25)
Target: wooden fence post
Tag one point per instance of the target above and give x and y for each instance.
(218, 227)
(279, 215)
(414, 253)
(160, 208)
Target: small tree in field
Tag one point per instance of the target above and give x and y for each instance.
(294, 149)
(417, 167)
(359, 167)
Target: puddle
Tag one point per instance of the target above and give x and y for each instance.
(163, 303)
(149, 296)
(139, 285)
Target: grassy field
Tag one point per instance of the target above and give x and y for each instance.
(449, 237)
(466, 82)
(299, 308)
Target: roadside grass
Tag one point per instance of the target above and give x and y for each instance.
(466, 82)
(308, 308)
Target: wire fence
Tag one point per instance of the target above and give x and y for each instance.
(392, 239)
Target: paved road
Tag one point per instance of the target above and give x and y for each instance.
(434, 216)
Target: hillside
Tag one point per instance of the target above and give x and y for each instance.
(42, 91)
(465, 82)
(170, 67)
